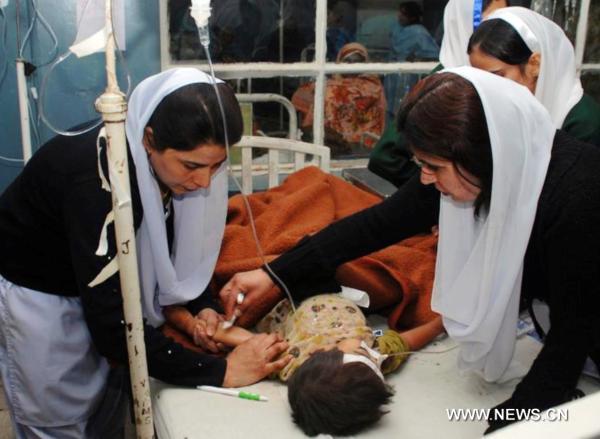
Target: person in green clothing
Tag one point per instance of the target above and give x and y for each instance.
(530, 49)
(390, 157)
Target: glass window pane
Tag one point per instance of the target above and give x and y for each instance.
(354, 113)
(267, 119)
(270, 118)
(246, 31)
(565, 13)
(592, 48)
(409, 32)
(397, 85)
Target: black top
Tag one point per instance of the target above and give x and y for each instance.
(562, 262)
(51, 217)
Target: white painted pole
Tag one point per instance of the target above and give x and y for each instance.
(113, 106)
(321, 80)
(581, 35)
(23, 110)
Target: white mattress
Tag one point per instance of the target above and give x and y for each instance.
(425, 387)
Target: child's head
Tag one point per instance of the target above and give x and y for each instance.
(332, 397)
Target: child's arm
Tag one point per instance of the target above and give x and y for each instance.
(418, 337)
(232, 336)
(182, 319)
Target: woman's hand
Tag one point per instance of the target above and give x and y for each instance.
(204, 328)
(253, 284)
(255, 359)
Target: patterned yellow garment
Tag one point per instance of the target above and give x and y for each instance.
(319, 321)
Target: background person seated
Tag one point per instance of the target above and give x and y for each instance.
(354, 104)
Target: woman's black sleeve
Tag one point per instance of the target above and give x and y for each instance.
(85, 210)
(413, 209)
(572, 255)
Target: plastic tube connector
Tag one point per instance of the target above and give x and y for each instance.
(204, 35)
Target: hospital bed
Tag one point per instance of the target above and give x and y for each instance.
(253, 98)
(427, 387)
(284, 155)
(276, 167)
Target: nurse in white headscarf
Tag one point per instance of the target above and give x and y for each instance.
(61, 314)
(461, 18)
(518, 207)
(526, 47)
(193, 182)
(505, 181)
(482, 246)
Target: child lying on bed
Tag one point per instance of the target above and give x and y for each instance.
(335, 379)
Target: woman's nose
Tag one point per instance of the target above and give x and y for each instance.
(201, 178)
(427, 176)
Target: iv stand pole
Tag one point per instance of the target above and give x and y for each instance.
(22, 95)
(113, 106)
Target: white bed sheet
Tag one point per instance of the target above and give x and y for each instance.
(426, 386)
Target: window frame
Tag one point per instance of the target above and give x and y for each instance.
(320, 68)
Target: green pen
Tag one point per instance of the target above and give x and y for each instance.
(231, 392)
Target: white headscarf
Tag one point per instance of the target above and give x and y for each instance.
(458, 27)
(558, 86)
(479, 263)
(199, 216)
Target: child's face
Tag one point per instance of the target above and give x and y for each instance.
(355, 346)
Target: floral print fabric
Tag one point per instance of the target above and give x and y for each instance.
(318, 322)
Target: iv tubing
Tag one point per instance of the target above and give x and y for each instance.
(37, 15)
(44, 86)
(204, 39)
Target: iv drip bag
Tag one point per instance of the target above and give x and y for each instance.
(200, 12)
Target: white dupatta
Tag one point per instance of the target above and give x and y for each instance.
(200, 216)
(458, 28)
(479, 263)
(558, 86)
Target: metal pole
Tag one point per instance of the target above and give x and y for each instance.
(321, 80)
(113, 106)
(281, 36)
(24, 110)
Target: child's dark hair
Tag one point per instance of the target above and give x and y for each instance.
(443, 116)
(497, 38)
(330, 397)
(190, 116)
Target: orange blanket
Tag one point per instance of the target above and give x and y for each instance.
(398, 279)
